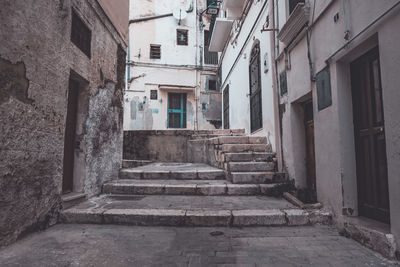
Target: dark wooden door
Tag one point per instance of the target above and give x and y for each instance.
(226, 108)
(69, 141)
(372, 180)
(310, 151)
(255, 89)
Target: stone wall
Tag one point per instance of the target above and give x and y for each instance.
(36, 62)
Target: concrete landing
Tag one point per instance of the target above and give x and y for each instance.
(181, 210)
(120, 246)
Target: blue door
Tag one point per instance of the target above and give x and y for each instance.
(176, 110)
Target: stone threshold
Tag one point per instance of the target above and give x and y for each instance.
(372, 234)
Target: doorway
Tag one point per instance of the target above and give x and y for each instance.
(69, 141)
(310, 152)
(255, 89)
(369, 132)
(177, 110)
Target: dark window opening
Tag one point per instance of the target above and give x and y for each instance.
(81, 35)
(182, 37)
(209, 57)
(212, 85)
(293, 4)
(283, 83)
(155, 51)
(153, 94)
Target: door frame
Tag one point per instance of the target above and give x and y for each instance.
(375, 211)
(69, 136)
(182, 111)
(255, 58)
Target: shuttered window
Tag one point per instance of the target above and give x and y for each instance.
(155, 51)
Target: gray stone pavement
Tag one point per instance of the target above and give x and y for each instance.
(111, 245)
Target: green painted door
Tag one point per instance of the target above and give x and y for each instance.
(176, 110)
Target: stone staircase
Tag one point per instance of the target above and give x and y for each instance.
(238, 187)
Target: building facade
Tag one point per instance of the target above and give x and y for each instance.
(62, 73)
(172, 80)
(328, 78)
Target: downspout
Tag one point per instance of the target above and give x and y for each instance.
(277, 116)
(196, 99)
(310, 64)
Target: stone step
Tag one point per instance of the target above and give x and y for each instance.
(235, 148)
(250, 166)
(186, 187)
(238, 140)
(257, 177)
(249, 156)
(192, 211)
(134, 163)
(175, 171)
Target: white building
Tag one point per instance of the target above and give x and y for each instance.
(328, 83)
(172, 80)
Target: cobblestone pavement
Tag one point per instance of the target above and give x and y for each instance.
(111, 245)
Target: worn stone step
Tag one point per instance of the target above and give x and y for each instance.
(257, 177)
(189, 211)
(234, 148)
(134, 163)
(248, 156)
(250, 166)
(238, 140)
(176, 171)
(180, 187)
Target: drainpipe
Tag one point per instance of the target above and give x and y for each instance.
(196, 100)
(310, 64)
(275, 82)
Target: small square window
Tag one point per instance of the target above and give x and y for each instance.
(153, 95)
(293, 4)
(212, 85)
(81, 35)
(155, 51)
(182, 37)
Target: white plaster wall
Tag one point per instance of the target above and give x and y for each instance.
(238, 79)
(334, 134)
(179, 66)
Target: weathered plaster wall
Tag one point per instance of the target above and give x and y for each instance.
(181, 68)
(334, 130)
(36, 59)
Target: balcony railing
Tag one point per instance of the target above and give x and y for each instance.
(210, 58)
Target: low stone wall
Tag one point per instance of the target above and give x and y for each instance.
(162, 146)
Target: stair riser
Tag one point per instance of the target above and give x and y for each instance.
(248, 157)
(245, 148)
(251, 167)
(220, 175)
(195, 190)
(238, 140)
(198, 218)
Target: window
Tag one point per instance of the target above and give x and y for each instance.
(212, 85)
(283, 83)
(155, 51)
(293, 4)
(81, 35)
(226, 107)
(153, 95)
(182, 37)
